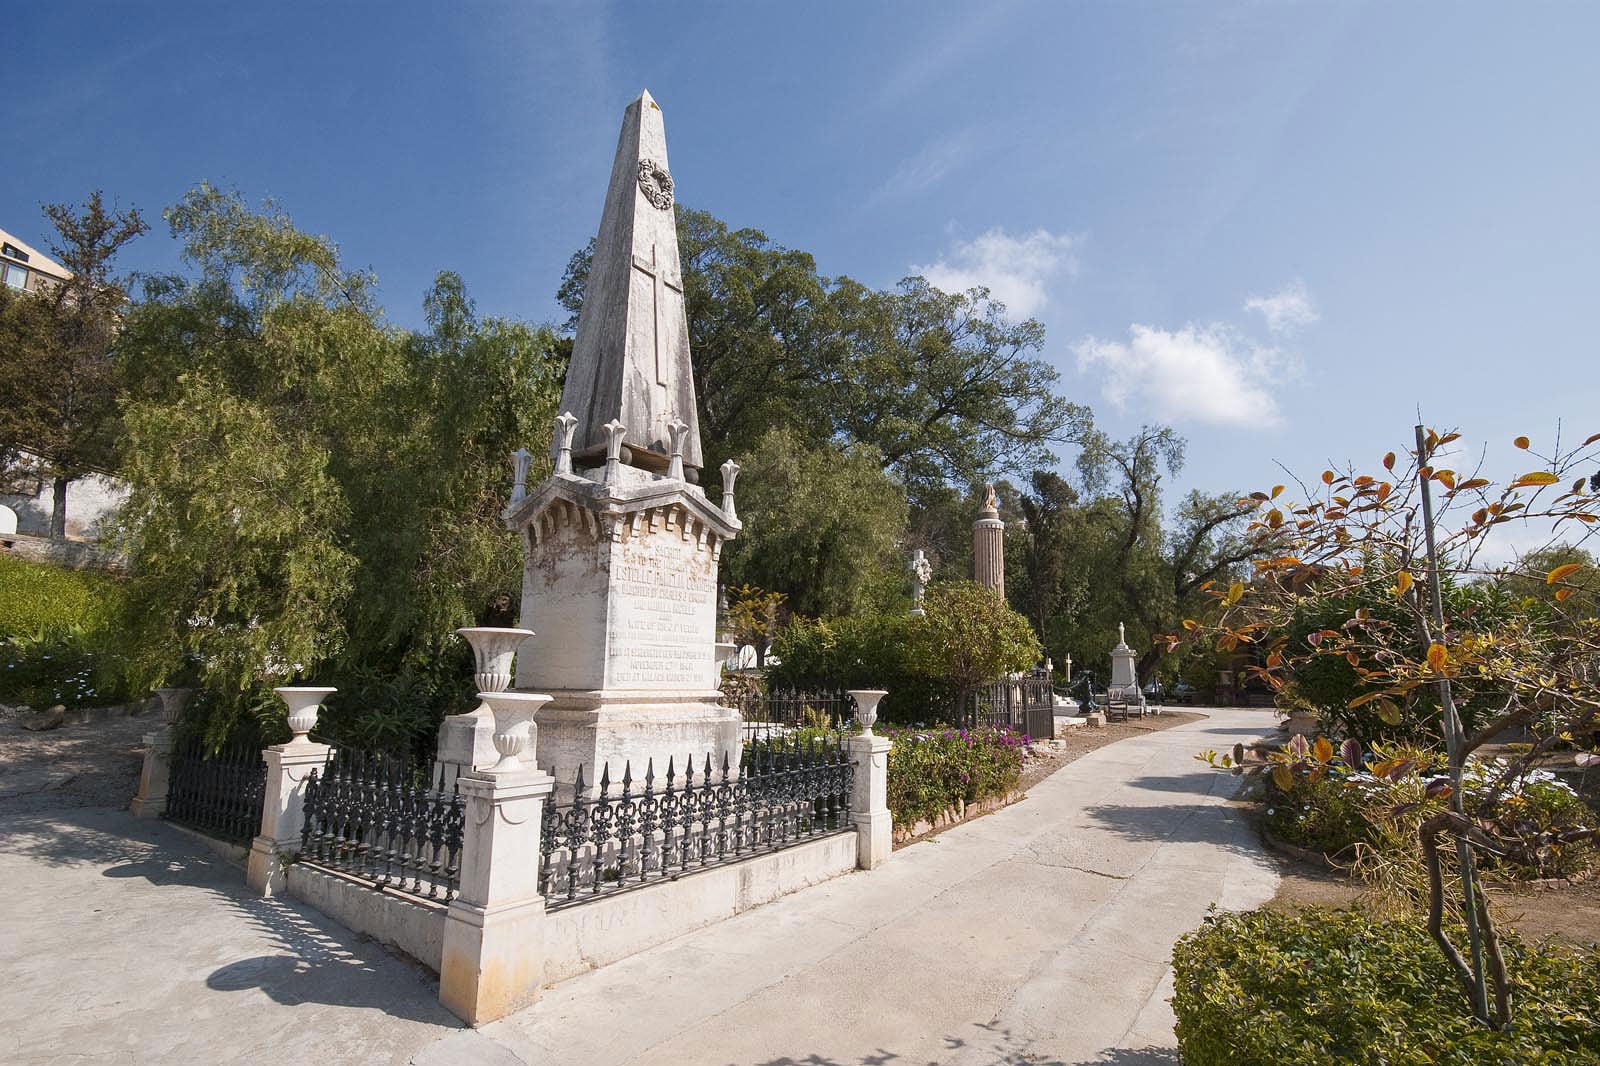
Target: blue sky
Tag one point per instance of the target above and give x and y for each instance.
(1280, 227)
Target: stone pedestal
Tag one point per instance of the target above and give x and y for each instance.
(869, 803)
(620, 586)
(989, 545)
(151, 802)
(493, 957)
(282, 811)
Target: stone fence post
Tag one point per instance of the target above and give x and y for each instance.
(869, 802)
(151, 801)
(493, 960)
(155, 774)
(283, 808)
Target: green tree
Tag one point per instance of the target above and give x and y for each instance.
(56, 352)
(821, 525)
(968, 637)
(1089, 556)
(315, 492)
(942, 385)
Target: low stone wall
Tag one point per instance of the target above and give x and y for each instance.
(71, 554)
(401, 921)
(583, 937)
(959, 812)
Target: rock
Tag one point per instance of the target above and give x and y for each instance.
(40, 721)
(1096, 719)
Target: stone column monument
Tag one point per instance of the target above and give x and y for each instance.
(989, 545)
(1123, 664)
(621, 546)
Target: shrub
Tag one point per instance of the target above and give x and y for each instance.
(859, 651)
(43, 602)
(933, 769)
(56, 628)
(1323, 815)
(1339, 987)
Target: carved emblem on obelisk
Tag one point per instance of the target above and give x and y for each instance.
(655, 183)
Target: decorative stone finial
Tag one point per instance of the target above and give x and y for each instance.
(303, 702)
(730, 474)
(991, 502)
(566, 423)
(519, 474)
(615, 431)
(678, 429)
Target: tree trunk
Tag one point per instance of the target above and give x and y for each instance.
(58, 510)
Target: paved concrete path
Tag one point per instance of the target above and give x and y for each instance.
(1039, 934)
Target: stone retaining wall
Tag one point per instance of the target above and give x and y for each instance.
(582, 937)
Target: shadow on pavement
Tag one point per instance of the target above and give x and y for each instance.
(991, 1046)
(317, 961)
(1197, 823)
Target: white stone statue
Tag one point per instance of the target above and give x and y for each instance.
(921, 573)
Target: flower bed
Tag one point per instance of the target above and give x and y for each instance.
(934, 771)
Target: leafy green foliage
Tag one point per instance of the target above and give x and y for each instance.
(39, 601)
(968, 637)
(1323, 816)
(931, 770)
(942, 386)
(56, 626)
(56, 355)
(315, 493)
(822, 522)
(1332, 987)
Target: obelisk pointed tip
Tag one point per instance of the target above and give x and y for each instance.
(646, 100)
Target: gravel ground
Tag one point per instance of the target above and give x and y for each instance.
(91, 764)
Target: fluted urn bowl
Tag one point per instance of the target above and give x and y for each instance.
(493, 648)
(303, 702)
(867, 706)
(173, 701)
(513, 725)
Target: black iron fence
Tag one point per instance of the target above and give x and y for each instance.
(219, 794)
(1007, 704)
(787, 789)
(384, 822)
(787, 711)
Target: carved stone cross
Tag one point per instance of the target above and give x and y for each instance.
(659, 280)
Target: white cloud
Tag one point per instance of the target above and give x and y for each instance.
(1015, 270)
(1287, 310)
(925, 169)
(1196, 374)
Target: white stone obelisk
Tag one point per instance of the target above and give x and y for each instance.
(621, 543)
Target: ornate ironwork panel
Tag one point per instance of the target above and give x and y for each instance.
(788, 787)
(217, 794)
(384, 822)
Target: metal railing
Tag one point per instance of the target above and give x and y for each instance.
(1005, 704)
(782, 713)
(371, 818)
(785, 791)
(218, 794)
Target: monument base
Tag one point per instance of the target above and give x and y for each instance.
(466, 741)
(626, 730)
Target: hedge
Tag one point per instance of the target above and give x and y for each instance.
(1320, 987)
(39, 601)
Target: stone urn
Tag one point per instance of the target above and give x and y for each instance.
(173, 701)
(303, 702)
(513, 725)
(867, 700)
(493, 648)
